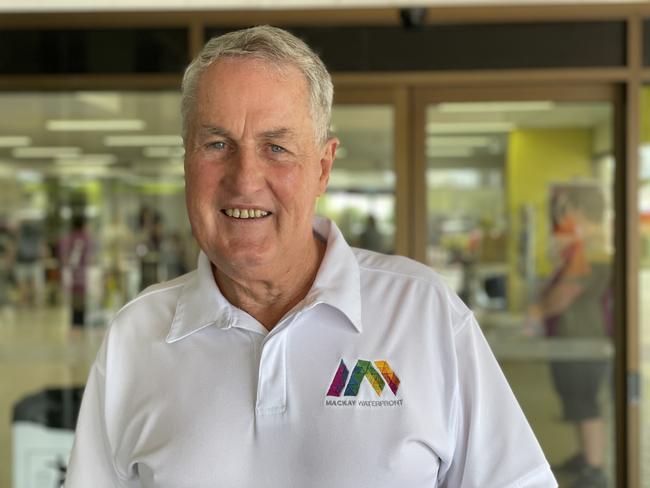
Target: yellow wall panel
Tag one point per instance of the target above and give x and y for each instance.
(536, 159)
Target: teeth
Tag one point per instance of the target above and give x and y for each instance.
(245, 213)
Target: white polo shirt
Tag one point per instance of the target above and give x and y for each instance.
(379, 378)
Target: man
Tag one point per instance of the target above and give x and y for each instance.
(288, 359)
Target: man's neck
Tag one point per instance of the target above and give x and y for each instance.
(269, 295)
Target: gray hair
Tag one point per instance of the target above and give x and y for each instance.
(276, 46)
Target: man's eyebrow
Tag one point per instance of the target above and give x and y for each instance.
(277, 133)
(215, 131)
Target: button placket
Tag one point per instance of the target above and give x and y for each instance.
(272, 386)
(272, 376)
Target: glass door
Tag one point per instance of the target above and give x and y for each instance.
(362, 196)
(519, 218)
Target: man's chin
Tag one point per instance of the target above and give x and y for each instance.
(244, 260)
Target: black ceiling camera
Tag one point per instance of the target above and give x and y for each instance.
(412, 18)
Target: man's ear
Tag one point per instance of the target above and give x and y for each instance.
(327, 159)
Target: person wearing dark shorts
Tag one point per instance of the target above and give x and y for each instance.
(573, 306)
(578, 384)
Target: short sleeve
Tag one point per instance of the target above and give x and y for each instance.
(91, 461)
(494, 446)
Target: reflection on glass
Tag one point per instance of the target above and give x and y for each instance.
(520, 215)
(361, 194)
(91, 211)
(644, 283)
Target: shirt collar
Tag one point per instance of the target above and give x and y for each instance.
(337, 284)
(200, 304)
(338, 281)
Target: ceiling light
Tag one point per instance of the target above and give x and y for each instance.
(134, 141)
(82, 170)
(29, 176)
(87, 159)
(475, 107)
(46, 152)
(94, 125)
(449, 152)
(456, 141)
(14, 141)
(469, 127)
(163, 151)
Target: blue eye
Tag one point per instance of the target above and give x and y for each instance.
(277, 149)
(220, 145)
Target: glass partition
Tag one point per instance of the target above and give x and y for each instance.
(91, 211)
(520, 215)
(361, 194)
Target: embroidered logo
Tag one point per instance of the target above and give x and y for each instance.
(378, 375)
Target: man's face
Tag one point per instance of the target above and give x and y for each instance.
(253, 167)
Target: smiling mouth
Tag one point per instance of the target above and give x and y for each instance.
(245, 213)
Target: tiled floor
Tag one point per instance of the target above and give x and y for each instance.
(37, 350)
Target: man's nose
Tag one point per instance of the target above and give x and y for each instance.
(247, 171)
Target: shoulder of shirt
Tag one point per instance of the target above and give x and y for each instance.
(397, 265)
(154, 292)
(403, 269)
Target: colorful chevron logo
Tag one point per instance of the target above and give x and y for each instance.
(378, 375)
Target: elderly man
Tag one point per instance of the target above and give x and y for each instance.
(288, 359)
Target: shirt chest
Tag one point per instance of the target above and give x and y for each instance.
(314, 401)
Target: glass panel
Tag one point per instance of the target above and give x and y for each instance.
(91, 211)
(644, 283)
(520, 219)
(361, 193)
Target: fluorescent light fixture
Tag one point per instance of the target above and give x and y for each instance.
(94, 125)
(14, 141)
(479, 107)
(449, 152)
(458, 178)
(87, 159)
(135, 141)
(469, 127)
(46, 152)
(82, 170)
(458, 141)
(163, 152)
(29, 176)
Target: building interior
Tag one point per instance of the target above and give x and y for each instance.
(466, 131)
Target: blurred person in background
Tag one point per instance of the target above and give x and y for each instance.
(575, 304)
(149, 241)
(31, 250)
(7, 262)
(371, 238)
(75, 254)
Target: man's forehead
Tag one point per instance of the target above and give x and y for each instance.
(235, 92)
(271, 133)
